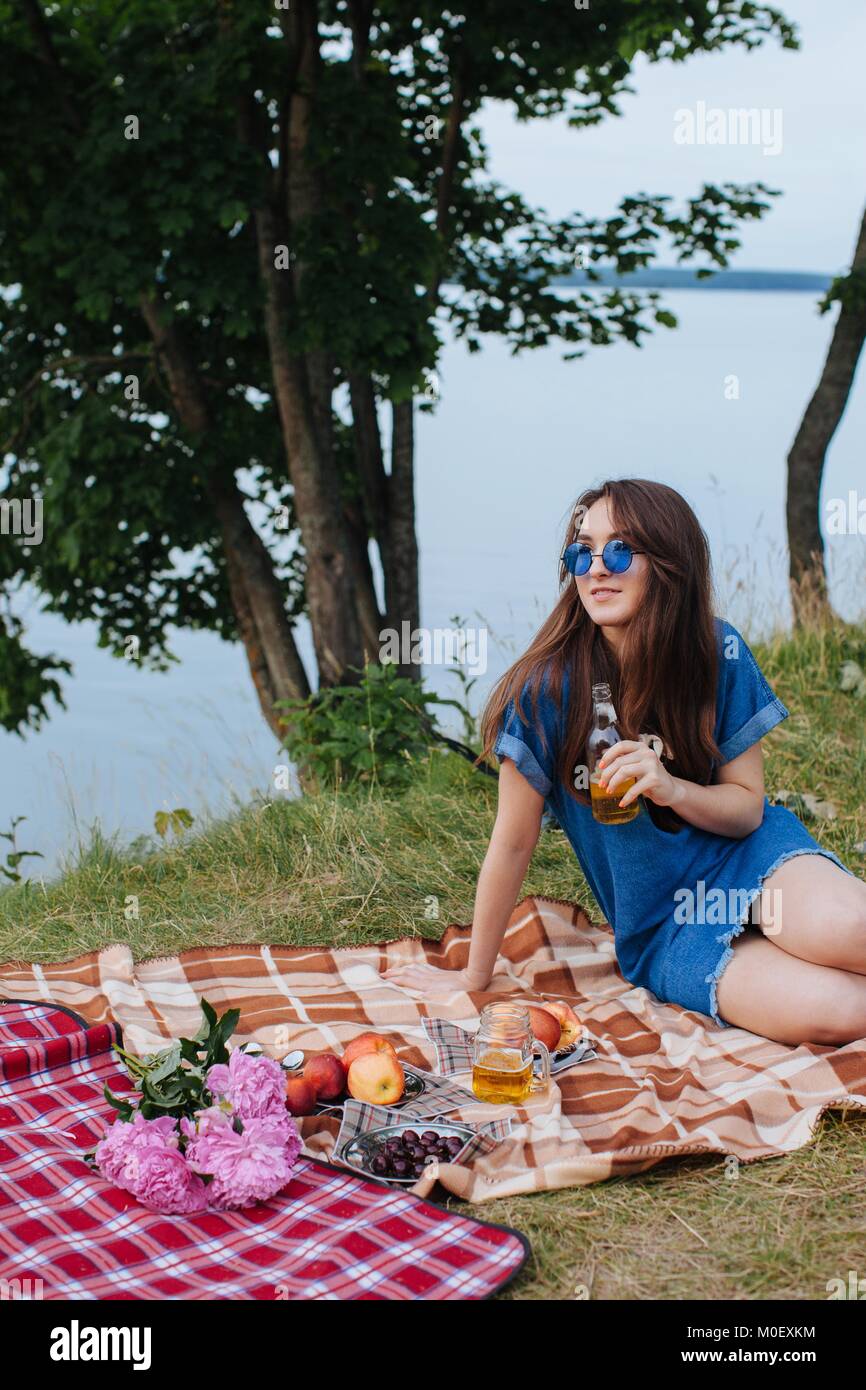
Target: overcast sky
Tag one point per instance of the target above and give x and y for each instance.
(820, 92)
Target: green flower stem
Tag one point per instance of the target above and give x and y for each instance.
(133, 1064)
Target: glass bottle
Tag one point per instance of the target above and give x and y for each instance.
(502, 1052)
(603, 735)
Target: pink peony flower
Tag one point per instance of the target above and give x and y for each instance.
(142, 1157)
(212, 1117)
(219, 1078)
(247, 1167)
(117, 1153)
(166, 1183)
(254, 1085)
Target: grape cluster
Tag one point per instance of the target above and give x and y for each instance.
(406, 1155)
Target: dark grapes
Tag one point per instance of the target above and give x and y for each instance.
(406, 1155)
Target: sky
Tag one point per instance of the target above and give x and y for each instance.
(821, 167)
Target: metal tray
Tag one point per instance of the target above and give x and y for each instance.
(358, 1153)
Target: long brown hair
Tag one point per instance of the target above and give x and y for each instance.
(664, 679)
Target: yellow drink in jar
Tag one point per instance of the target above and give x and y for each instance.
(501, 1076)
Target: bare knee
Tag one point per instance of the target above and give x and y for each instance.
(845, 1020)
(846, 920)
(852, 915)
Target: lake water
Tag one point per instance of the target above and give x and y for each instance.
(511, 444)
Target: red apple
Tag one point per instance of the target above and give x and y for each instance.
(326, 1074)
(545, 1027)
(571, 1025)
(366, 1042)
(300, 1096)
(376, 1077)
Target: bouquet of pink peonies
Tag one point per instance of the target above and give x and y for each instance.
(210, 1130)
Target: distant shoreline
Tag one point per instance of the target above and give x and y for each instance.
(681, 278)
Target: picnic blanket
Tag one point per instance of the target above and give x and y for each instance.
(66, 1233)
(664, 1082)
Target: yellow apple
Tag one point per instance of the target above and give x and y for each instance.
(377, 1078)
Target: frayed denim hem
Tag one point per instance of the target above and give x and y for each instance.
(727, 937)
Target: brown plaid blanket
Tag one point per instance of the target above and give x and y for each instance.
(664, 1081)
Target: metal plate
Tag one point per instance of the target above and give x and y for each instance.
(415, 1086)
(358, 1153)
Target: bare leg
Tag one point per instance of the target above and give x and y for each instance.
(813, 910)
(777, 995)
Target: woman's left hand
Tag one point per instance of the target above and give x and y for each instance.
(629, 759)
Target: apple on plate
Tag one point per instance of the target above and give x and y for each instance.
(545, 1027)
(300, 1096)
(377, 1078)
(366, 1042)
(326, 1074)
(569, 1022)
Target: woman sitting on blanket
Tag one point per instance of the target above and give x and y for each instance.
(781, 949)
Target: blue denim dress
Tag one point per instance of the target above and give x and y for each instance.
(675, 900)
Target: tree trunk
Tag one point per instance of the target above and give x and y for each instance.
(275, 664)
(371, 468)
(303, 199)
(402, 544)
(362, 574)
(388, 499)
(318, 505)
(301, 388)
(807, 574)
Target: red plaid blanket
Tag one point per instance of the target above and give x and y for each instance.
(65, 1233)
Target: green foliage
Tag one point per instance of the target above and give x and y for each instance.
(15, 855)
(177, 821)
(365, 733)
(849, 290)
(172, 1082)
(87, 422)
(26, 680)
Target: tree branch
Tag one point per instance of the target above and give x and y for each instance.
(38, 26)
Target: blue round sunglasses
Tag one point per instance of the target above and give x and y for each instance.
(617, 556)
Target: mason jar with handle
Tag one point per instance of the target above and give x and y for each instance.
(502, 1053)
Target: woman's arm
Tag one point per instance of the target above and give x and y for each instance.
(733, 805)
(514, 837)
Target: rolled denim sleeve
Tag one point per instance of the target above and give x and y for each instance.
(746, 707)
(523, 743)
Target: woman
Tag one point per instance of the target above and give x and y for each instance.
(719, 901)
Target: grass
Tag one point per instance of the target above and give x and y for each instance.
(350, 868)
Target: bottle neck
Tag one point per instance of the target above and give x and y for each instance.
(602, 705)
(604, 713)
